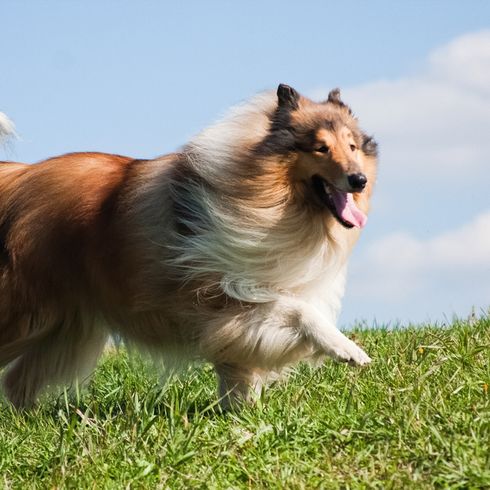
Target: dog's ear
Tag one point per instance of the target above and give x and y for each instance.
(369, 146)
(287, 97)
(334, 97)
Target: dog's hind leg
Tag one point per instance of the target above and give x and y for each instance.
(237, 384)
(68, 352)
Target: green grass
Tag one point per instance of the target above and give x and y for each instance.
(418, 417)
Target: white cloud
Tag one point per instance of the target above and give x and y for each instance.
(464, 248)
(465, 61)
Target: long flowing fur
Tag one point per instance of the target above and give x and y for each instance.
(220, 251)
(244, 235)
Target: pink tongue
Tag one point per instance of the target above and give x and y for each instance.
(347, 209)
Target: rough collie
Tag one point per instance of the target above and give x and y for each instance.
(232, 250)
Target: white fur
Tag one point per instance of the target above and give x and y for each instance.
(215, 147)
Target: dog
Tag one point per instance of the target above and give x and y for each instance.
(232, 250)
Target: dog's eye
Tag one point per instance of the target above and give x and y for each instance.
(353, 147)
(322, 149)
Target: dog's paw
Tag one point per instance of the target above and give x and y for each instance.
(348, 351)
(360, 358)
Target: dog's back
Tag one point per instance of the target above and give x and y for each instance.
(56, 210)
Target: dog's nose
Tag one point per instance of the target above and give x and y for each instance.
(357, 181)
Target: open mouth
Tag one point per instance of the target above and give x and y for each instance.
(340, 203)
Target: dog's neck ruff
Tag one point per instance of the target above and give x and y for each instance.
(257, 243)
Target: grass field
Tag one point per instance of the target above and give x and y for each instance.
(418, 417)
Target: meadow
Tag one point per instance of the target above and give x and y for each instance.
(417, 417)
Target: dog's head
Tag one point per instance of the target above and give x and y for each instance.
(334, 161)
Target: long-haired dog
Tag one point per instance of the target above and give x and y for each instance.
(232, 250)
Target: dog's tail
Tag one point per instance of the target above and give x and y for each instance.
(7, 129)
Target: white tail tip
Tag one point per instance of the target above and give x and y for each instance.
(7, 129)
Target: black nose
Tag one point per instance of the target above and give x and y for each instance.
(357, 181)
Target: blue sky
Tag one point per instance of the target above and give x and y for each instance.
(140, 78)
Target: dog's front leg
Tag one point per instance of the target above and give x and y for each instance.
(320, 331)
(267, 338)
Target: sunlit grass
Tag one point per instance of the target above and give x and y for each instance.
(418, 417)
